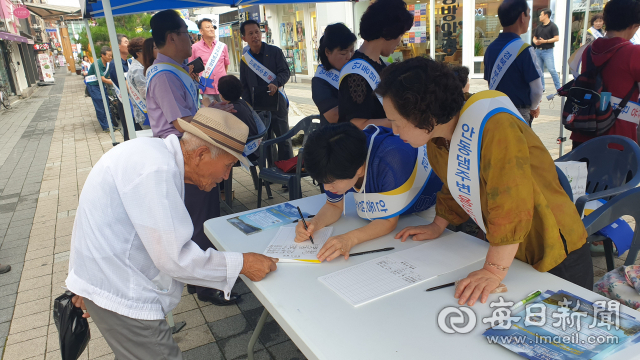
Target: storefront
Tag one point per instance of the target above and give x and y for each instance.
(294, 29)
(229, 32)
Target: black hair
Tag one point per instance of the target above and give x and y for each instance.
(509, 11)
(85, 57)
(104, 49)
(120, 37)
(248, 22)
(462, 73)
(596, 17)
(163, 23)
(230, 88)
(387, 19)
(202, 21)
(336, 36)
(621, 14)
(425, 92)
(335, 152)
(546, 11)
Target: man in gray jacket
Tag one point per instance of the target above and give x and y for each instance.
(270, 70)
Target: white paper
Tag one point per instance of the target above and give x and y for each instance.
(385, 275)
(576, 172)
(286, 249)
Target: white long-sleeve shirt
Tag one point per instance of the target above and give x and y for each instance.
(131, 248)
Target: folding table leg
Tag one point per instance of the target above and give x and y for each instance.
(256, 333)
(174, 327)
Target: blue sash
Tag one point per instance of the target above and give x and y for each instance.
(187, 81)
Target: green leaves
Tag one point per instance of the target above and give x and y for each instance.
(125, 24)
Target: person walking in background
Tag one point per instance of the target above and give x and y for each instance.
(620, 69)
(268, 68)
(123, 46)
(337, 46)
(137, 81)
(85, 65)
(382, 26)
(595, 31)
(517, 76)
(92, 85)
(215, 56)
(544, 38)
(149, 53)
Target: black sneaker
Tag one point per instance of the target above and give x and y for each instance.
(5, 269)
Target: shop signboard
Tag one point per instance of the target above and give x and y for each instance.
(45, 67)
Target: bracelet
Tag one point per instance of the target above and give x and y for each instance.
(499, 267)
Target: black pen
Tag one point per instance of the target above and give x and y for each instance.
(441, 286)
(304, 223)
(372, 251)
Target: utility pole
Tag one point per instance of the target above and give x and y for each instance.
(66, 45)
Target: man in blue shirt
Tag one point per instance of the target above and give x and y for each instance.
(519, 78)
(123, 46)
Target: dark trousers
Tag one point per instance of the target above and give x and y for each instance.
(98, 104)
(280, 126)
(577, 268)
(201, 206)
(125, 132)
(575, 144)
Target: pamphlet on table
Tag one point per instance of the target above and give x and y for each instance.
(266, 218)
(560, 325)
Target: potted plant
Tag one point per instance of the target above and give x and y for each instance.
(78, 66)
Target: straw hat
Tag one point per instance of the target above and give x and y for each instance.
(221, 129)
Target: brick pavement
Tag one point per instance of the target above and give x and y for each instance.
(48, 145)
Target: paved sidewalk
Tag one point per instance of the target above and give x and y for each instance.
(48, 145)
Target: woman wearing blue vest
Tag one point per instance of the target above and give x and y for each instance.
(495, 171)
(388, 177)
(336, 49)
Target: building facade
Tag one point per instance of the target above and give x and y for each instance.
(453, 31)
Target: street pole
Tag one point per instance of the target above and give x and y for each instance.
(65, 42)
(565, 70)
(111, 27)
(585, 22)
(432, 29)
(99, 76)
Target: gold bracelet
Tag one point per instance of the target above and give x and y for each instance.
(499, 267)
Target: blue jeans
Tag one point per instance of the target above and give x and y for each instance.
(545, 57)
(94, 92)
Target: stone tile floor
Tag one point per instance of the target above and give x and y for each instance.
(48, 145)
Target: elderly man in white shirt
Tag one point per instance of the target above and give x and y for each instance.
(131, 248)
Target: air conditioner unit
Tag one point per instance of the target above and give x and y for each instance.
(36, 26)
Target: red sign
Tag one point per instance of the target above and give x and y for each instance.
(40, 46)
(21, 12)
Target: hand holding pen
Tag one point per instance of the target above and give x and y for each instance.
(304, 230)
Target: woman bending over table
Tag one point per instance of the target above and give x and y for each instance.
(388, 178)
(513, 193)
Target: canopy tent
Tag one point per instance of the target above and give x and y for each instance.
(125, 7)
(47, 11)
(191, 26)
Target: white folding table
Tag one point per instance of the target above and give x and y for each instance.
(402, 325)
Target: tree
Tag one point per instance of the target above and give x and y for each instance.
(125, 24)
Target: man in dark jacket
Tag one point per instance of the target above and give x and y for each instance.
(275, 74)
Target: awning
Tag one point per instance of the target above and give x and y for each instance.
(12, 37)
(48, 11)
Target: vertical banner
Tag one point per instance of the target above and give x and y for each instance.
(46, 68)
